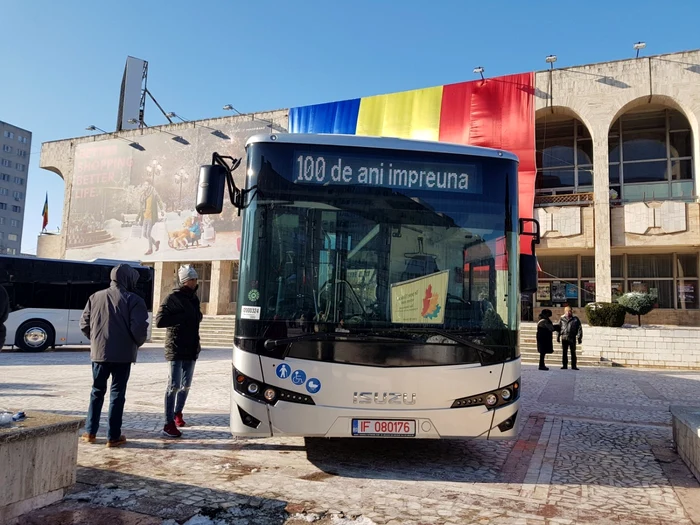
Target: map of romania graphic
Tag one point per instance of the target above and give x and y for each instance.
(431, 308)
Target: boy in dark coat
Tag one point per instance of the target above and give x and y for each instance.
(180, 314)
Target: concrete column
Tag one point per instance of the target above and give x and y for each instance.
(220, 291)
(165, 273)
(601, 207)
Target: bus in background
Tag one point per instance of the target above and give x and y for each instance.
(379, 287)
(47, 298)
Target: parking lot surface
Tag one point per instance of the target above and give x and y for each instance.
(595, 446)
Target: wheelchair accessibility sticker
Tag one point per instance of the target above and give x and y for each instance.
(299, 377)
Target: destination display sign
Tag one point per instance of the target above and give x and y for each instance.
(352, 170)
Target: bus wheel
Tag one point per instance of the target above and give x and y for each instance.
(34, 336)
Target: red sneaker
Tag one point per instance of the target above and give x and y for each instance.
(179, 421)
(171, 431)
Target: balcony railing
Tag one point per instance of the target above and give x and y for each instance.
(569, 199)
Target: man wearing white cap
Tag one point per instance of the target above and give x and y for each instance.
(180, 314)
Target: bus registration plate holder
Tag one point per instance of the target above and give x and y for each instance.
(384, 427)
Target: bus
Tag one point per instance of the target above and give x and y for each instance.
(47, 298)
(379, 287)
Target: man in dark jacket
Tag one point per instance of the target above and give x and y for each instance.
(116, 322)
(570, 330)
(4, 314)
(181, 315)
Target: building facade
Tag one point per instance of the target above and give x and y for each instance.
(616, 157)
(15, 145)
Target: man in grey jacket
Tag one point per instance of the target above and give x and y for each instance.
(116, 322)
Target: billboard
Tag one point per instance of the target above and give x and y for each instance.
(138, 203)
(130, 95)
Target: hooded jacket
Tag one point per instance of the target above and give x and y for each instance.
(4, 313)
(116, 319)
(180, 314)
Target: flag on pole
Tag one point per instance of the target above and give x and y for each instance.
(45, 213)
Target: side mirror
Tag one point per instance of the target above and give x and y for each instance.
(210, 190)
(528, 273)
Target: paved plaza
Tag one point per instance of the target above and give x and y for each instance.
(595, 446)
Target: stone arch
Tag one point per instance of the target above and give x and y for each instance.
(656, 100)
(562, 111)
(649, 166)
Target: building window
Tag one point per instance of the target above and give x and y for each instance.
(9, 135)
(651, 156)
(22, 139)
(11, 251)
(12, 237)
(204, 272)
(13, 222)
(6, 163)
(17, 194)
(6, 148)
(20, 167)
(564, 156)
(4, 191)
(3, 206)
(19, 180)
(5, 177)
(16, 209)
(558, 282)
(2, 221)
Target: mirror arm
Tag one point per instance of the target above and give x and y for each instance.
(234, 193)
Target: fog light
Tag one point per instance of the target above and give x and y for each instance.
(505, 394)
(240, 378)
(253, 388)
(270, 394)
(491, 400)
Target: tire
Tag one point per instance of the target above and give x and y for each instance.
(35, 336)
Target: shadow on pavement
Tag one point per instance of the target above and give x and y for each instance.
(107, 496)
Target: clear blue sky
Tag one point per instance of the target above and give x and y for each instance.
(62, 61)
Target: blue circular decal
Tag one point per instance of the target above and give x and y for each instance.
(283, 371)
(313, 386)
(298, 377)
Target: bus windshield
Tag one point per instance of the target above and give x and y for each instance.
(382, 258)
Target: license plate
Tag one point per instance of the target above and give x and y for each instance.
(384, 427)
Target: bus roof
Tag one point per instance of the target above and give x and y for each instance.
(106, 262)
(327, 139)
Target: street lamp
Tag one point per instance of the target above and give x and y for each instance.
(153, 170)
(479, 70)
(550, 59)
(134, 145)
(181, 177)
(639, 46)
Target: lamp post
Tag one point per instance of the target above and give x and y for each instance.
(639, 46)
(479, 70)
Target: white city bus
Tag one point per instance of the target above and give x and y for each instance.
(47, 297)
(379, 287)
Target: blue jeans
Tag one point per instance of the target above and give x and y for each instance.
(179, 382)
(117, 396)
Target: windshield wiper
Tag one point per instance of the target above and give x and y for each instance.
(270, 344)
(448, 335)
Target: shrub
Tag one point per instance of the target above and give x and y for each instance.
(638, 304)
(605, 314)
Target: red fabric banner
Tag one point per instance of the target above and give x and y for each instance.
(496, 113)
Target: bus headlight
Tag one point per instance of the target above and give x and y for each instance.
(495, 399)
(253, 388)
(270, 395)
(505, 394)
(491, 400)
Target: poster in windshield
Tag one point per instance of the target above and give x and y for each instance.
(420, 300)
(137, 201)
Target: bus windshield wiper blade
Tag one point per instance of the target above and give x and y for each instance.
(269, 344)
(465, 342)
(449, 335)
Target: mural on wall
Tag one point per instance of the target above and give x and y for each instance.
(138, 203)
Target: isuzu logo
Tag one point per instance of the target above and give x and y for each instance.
(382, 398)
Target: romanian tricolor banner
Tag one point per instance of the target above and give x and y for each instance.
(45, 213)
(495, 113)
